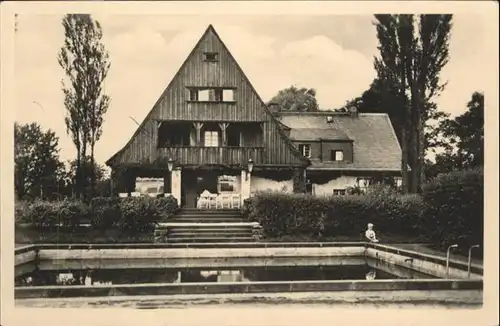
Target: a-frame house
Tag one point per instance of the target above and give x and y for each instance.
(210, 132)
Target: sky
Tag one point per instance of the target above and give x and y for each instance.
(333, 54)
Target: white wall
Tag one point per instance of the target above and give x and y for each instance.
(339, 183)
(263, 184)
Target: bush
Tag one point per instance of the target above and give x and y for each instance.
(454, 208)
(135, 213)
(69, 213)
(299, 215)
(21, 212)
(42, 214)
(166, 206)
(105, 212)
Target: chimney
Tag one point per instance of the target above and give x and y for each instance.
(273, 107)
(353, 111)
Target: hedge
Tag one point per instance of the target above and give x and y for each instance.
(131, 213)
(283, 214)
(455, 208)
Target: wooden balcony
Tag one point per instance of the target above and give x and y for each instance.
(212, 155)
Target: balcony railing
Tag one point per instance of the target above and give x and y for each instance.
(212, 155)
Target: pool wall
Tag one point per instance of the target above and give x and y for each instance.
(227, 255)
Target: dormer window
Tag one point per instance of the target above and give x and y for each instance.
(337, 155)
(211, 56)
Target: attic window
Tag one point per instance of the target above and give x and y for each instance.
(211, 56)
(337, 155)
(211, 95)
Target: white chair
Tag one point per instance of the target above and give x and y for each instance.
(226, 201)
(218, 202)
(212, 201)
(235, 201)
(202, 202)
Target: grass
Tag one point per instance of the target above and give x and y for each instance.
(29, 235)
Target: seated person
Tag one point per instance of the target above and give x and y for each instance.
(370, 234)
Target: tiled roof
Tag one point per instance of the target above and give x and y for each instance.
(375, 144)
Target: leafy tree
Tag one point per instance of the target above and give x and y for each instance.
(462, 140)
(296, 99)
(36, 158)
(88, 169)
(413, 51)
(86, 63)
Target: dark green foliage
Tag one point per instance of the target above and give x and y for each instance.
(105, 212)
(462, 139)
(48, 215)
(69, 213)
(296, 99)
(283, 214)
(454, 208)
(133, 214)
(37, 165)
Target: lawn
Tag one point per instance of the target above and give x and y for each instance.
(29, 235)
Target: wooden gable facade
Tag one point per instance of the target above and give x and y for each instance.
(209, 67)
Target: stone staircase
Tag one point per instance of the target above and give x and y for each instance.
(205, 226)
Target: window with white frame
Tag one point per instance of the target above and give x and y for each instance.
(226, 183)
(211, 95)
(337, 155)
(339, 192)
(211, 138)
(363, 182)
(305, 149)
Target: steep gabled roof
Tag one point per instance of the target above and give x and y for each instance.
(375, 145)
(279, 127)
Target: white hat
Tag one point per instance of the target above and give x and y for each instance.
(370, 224)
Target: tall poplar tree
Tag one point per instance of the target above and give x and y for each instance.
(413, 51)
(86, 63)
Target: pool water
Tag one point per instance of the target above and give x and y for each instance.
(370, 270)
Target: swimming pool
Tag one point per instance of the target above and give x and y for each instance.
(51, 271)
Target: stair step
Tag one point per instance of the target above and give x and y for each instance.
(210, 212)
(208, 235)
(212, 239)
(207, 216)
(212, 220)
(210, 229)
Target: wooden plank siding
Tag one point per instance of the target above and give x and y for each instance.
(174, 105)
(235, 156)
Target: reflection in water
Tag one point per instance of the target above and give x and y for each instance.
(195, 275)
(371, 275)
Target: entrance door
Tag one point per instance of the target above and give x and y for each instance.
(188, 190)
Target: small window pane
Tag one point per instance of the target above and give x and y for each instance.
(204, 95)
(228, 95)
(339, 156)
(211, 56)
(211, 139)
(305, 150)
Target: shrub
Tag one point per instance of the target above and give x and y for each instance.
(21, 212)
(41, 214)
(139, 213)
(105, 212)
(454, 208)
(166, 206)
(70, 213)
(300, 215)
